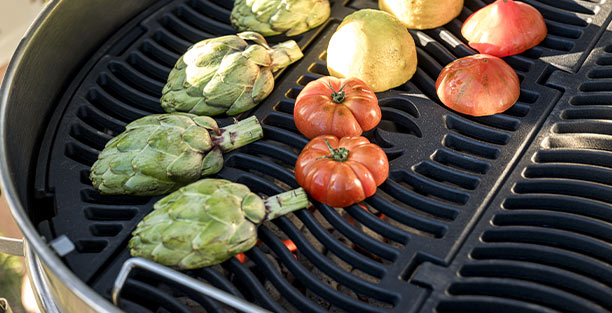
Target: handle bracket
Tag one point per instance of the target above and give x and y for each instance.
(182, 279)
(11, 246)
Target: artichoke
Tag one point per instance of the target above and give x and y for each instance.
(226, 74)
(207, 222)
(273, 17)
(160, 153)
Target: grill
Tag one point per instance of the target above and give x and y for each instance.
(504, 213)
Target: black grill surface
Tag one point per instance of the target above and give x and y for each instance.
(542, 236)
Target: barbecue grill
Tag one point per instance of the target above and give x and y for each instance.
(506, 213)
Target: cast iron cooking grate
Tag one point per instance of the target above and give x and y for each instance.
(544, 245)
(445, 167)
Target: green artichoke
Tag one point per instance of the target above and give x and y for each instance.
(273, 17)
(207, 222)
(160, 153)
(226, 74)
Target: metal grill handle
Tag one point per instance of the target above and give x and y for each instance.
(4, 306)
(182, 279)
(11, 246)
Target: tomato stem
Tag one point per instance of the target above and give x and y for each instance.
(337, 96)
(339, 155)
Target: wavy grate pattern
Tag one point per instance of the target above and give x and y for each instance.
(444, 167)
(548, 247)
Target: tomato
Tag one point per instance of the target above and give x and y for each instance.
(504, 28)
(339, 107)
(341, 172)
(478, 85)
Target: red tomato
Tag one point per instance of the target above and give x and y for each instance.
(341, 172)
(333, 106)
(478, 85)
(504, 28)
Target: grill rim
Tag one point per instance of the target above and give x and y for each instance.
(3, 167)
(51, 270)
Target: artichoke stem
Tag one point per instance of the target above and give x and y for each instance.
(239, 134)
(283, 54)
(286, 202)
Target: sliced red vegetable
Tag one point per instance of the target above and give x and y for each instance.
(341, 172)
(334, 106)
(504, 28)
(478, 85)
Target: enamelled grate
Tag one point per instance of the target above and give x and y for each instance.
(389, 254)
(545, 245)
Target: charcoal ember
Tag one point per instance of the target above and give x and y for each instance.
(347, 291)
(295, 220)
(312, 239)
(271, 290)
(316, 299)
(338, 236)
(365, 276)
(321, 219)
(335, 309)
(304, 260)
(345, 266)
(318, 274)
(278, 233)
(192, 305)
(379, 304)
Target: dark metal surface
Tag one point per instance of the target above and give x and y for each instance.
(59, 40)
(392, 255)
(545, 243)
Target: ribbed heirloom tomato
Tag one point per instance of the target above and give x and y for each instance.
(478, 85)
(339, 107)
(504, 28)
(341, 172)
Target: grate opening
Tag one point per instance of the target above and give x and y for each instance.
(443, 174)
(464, 127)
(463, 144)
(81, 153)
(428, 188)
(597, 158)
(480, 304)
(110, 214)
(89, 135)
(105, 230)
(136, 80)
(160, 54)
(461, 162)
(90, 246)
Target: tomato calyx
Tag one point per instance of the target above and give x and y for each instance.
(337, 96)
(339, 155)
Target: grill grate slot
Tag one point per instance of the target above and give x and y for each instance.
(523, 291)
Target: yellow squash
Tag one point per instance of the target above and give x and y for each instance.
(422, 14)
(373, 46)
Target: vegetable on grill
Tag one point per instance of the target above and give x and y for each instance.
(226, 74)
(339, 107)
(160, 153)
(478, 85)
(274, 17)
(207, 222)
(504, 28)
(341, 172)
(422, 14)
(373, 46)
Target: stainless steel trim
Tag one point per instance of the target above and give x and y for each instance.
(62, 35)
(4, 306)
(39, 283)
(11, 246)
(181, 279)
